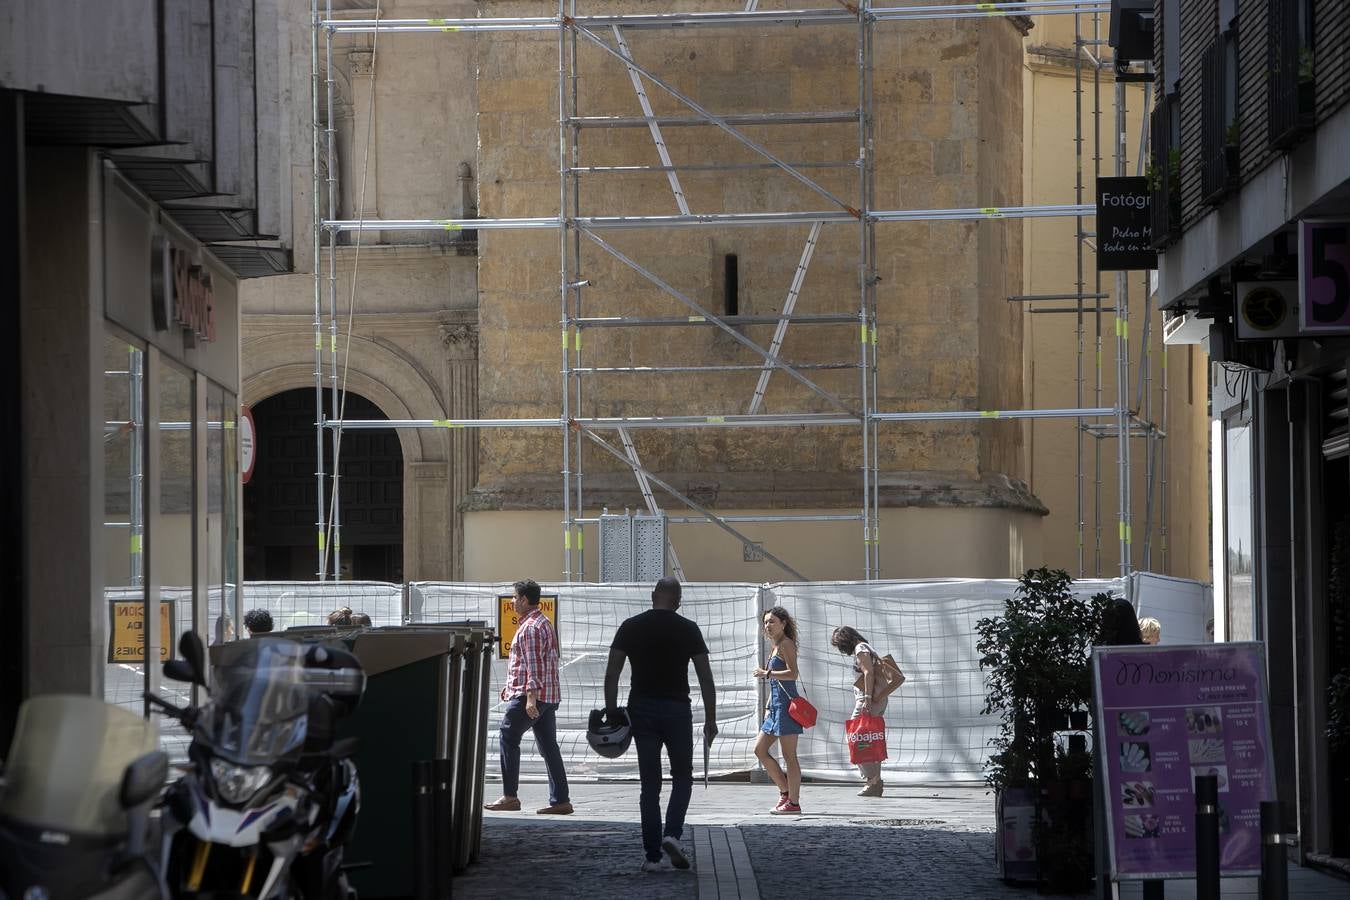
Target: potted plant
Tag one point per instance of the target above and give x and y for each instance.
(1036, 662)
(1307, 86)
(1232, 157)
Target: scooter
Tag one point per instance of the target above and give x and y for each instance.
(75, 803)
(269, 795)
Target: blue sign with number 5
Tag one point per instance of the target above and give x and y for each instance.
(1324, 276)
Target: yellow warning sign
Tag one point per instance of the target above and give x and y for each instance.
(507, 622)
(126, 631)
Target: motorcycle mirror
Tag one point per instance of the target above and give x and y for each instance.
(179, 670)
(345, 747)
(143, 778)
(190, 648)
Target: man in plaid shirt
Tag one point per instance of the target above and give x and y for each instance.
(532, 693)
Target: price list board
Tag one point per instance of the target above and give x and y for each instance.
(1166, 715)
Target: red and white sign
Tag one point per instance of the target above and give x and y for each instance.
(248, 453)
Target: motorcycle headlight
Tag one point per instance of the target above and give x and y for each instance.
(236, 784)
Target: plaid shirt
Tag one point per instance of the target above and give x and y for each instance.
(534, 660)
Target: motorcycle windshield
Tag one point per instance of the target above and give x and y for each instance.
(67, 761)
(259, 704)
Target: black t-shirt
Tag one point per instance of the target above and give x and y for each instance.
(659, 645)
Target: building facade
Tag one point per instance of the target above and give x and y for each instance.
(1250, 183)
(1069, 364)
(136, 147)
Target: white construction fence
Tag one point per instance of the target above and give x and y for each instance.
(935, 729)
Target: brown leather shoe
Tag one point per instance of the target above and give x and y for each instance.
(557, 809)
(872, 789)
(505, 804)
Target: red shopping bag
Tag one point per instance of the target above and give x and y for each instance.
(866, 735)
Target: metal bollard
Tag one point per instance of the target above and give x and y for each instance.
(1274, 862)
(1207, 837)
(424, 832)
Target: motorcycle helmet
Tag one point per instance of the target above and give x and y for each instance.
(610, 736)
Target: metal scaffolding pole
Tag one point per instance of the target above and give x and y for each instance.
(718, 220)
(1123, 365)
(320, 522)
(564, 286)
(749, 17)
(1078, 256)
(578, 430)
(333, 527)
(867, 295)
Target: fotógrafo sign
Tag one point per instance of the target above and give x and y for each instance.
(1124, 229)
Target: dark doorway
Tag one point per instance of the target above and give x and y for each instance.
(280, 508)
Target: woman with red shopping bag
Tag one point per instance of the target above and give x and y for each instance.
(865, 729)
(780, 725)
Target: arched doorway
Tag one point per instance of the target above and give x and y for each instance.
(280, 534)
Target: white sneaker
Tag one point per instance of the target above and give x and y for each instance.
(675, 852)
(650, 866)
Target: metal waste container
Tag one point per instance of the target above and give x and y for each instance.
(425, 685)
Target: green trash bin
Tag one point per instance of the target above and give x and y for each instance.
(415, 679)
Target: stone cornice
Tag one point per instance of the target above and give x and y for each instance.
(765, 490)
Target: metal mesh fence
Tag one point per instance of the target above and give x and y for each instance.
(935, 729)
(934, 726)
(588, 615)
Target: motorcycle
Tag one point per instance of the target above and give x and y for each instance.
(270, 795)
(75, 803)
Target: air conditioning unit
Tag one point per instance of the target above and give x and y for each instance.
(1185, 328)
(1265, 310)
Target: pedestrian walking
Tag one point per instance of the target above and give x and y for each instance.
(870, 696)
(532, 693)
(659, 644)
(781, 672)
(258, 621)
(1150, 629)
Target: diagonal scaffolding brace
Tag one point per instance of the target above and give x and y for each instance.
(653, 125)
(776, 345)
(644, 485)
(687, 501)
(741, 339)
(721, 123)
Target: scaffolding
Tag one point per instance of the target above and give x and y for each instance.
(577, 229)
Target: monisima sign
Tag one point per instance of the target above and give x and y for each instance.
(194, 300)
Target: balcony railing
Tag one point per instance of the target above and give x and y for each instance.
(1164, 175)
(1292, 96)
(1218, 126)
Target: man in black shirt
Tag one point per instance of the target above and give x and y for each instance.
(660, 644)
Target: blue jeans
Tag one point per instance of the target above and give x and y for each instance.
(514, 725)
(659, 721)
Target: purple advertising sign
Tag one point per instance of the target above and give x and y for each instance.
(1324, 276)
(1167, 714)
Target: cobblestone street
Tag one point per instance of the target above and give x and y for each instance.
(916, 843)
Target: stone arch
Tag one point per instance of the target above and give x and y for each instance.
(282, 360)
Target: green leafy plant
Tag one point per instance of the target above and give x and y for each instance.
(1174, 165)
(1035, 659)
(1233, 133)
(1338, 712)
(1305, 64)
(1338, 597)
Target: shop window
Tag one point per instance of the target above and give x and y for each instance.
(1239, 532)
(124, 521)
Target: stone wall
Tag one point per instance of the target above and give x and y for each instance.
(948, 134)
